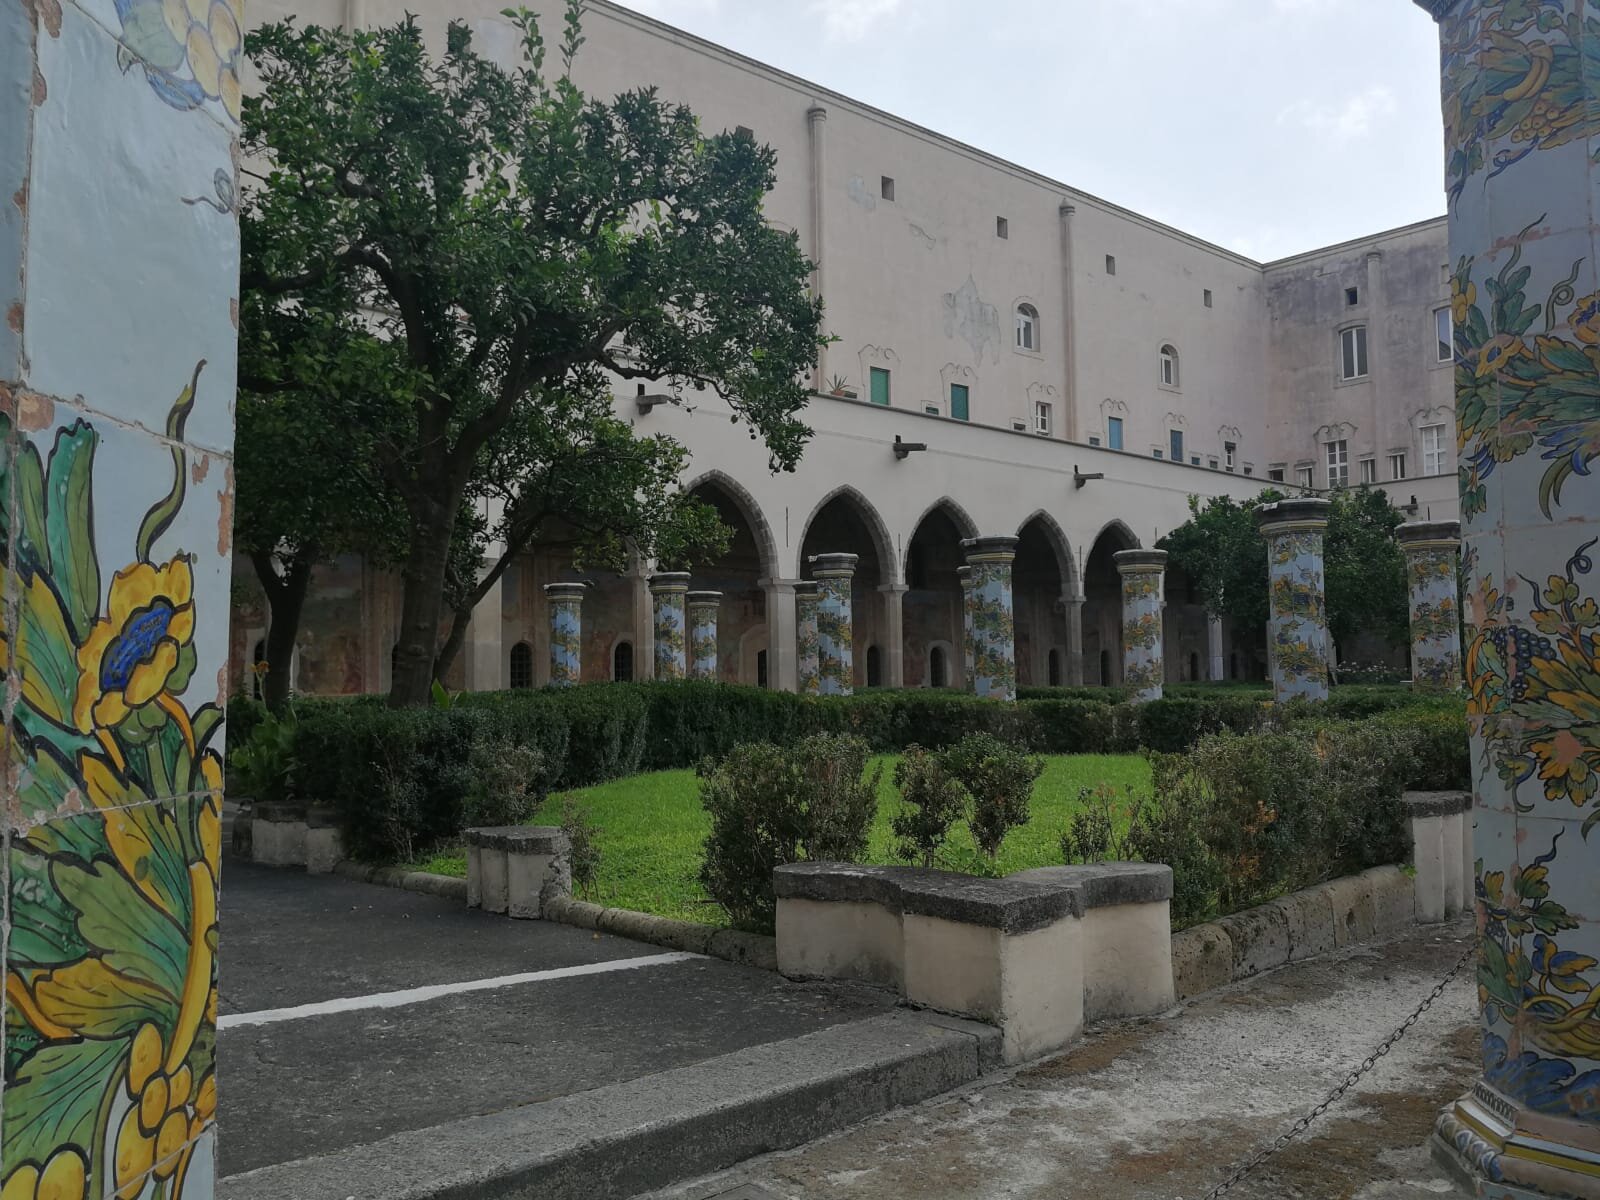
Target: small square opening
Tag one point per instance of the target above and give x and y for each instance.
(1111, 264)
(1352, 297)
(1208, 297)
(1002, 227)
(886, 187)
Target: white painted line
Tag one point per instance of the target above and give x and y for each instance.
(324, 1008)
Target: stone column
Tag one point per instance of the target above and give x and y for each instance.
(644, 622)
(703, 608)
(835, 623)
(894, 634)
(1522, 112)
(668, 589)
(1431, 549)
(1143, 601)
(1297, 633)
(969, 672)
(117, 377)
(1216, 657)
(994, 641)
(808, 654)
(1073, 608)
(565, 601)
(782, 635)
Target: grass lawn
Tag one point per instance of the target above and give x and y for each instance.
(652, 829)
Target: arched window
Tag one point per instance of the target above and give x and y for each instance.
(1169, 366)
(874, 668)
(938, 673)
(622, 662)
(1055, 668)
(522, 665)
(1027, 327)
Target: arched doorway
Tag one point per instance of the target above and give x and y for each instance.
(1039, 580)
(845, 523)
(1102, 604)
(737, 574)
(932, 606)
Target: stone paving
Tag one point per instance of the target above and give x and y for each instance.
(1161, 1110)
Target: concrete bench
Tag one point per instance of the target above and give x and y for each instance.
(1017, 953)
(1441, 851)
(510, 868)
(292, 835)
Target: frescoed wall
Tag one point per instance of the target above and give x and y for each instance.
(117, 145)
(1521, 94)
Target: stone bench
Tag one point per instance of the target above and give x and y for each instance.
(1441, 851)
(292, 835)
(1032, 954)
(510, 868)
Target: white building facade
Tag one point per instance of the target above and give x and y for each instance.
(1075, 371)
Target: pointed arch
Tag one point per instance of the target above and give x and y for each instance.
(959, 517)
(877, 531)
(1117, 528)
(748, 508)
(1057, 537)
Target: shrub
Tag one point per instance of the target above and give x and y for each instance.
(1099, 829)
(1070, 726)
(264, 761)
(583, 857)
(773, 805)
(930, 803)
(244, 714)
(505, 782)
(1174, 723)
(1171, 827)
(999, 780)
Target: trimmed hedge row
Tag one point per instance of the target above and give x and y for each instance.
(398, 778)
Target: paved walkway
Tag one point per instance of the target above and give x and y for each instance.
(350, 1013)
(1161, 1110)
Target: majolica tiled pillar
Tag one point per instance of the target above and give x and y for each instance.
(1143, 599)
(565, 601)
(703, 608)
(1297, 634)
(1432, 549)
(807, 600)
(1522, 115)
(835, 623)
(669, 590)
(119, 271)
(993, 637)
(969, 673)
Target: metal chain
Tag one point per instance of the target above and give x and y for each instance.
(1349, 1081)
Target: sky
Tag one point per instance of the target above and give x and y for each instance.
(1267, 126)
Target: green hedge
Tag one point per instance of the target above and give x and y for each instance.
(398, 777)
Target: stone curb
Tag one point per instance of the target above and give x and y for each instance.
(747, 949)
(446, 886)
(622, 1139)
(1377, 903)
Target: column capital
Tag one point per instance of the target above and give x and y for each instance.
(990, 549)
(704, 599)
(1429, 535)
(781, 586)
(669, 581)
(894, 589)
(1303, 513)
(834, 566)
(1140, 562)
(807, 589)
(565, 591)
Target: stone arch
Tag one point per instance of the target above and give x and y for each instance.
(959, 517)
(877, 531)
(1059, 542)
(1118, 528)
(1102, 608)
(749, 508)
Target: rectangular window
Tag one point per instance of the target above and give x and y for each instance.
(744, 131)
(1208, 297)
(1094, 440)
(1019, 426)
(879, 378)
(1041, 418)
(1114, 432)
(1353, 352)
(1275, 474)
(1002, 227)
(1111, 264)
(958, 401)
(886, 188)
(1303, 476)
(1155, 453)
(1175, 444)
(1433, 449)
(1445, 332)
(1338, 464)
(1249, 469)
(1194, 460)
(1352, 297)
(1369, 470)
(1397, 466)
(931, 409)
(1230, 451)
(1213, 463)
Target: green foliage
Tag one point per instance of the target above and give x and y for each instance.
(998, 779)
(505, 782)
(1098, 831)
(772, 805)
(264, 762)
(512, 245)
(930, 803)
(584, 856)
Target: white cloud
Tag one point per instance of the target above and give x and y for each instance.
(851, 20)
(1354, 117)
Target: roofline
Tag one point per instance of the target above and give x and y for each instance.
(811, 88)
(1354, 243)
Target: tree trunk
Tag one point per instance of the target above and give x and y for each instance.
(286, 598)
(422, 598)
(459, 620)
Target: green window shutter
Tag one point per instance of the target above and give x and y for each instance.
(880, 386)
(958, 401)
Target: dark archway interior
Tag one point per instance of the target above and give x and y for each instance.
(737, 574)
(1102, 608)
(1037, 588)
(840, 528)
(932, 603)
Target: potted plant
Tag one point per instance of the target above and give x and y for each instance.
(840, 386)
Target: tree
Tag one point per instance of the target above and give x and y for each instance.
(1224, 554)
(522, 246)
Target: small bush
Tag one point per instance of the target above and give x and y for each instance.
(773, 805)
(505, 783)
(264, 762)
(999, 780)
(930, 803)
(1172, 827)
(1099, 829)
(584, 855)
